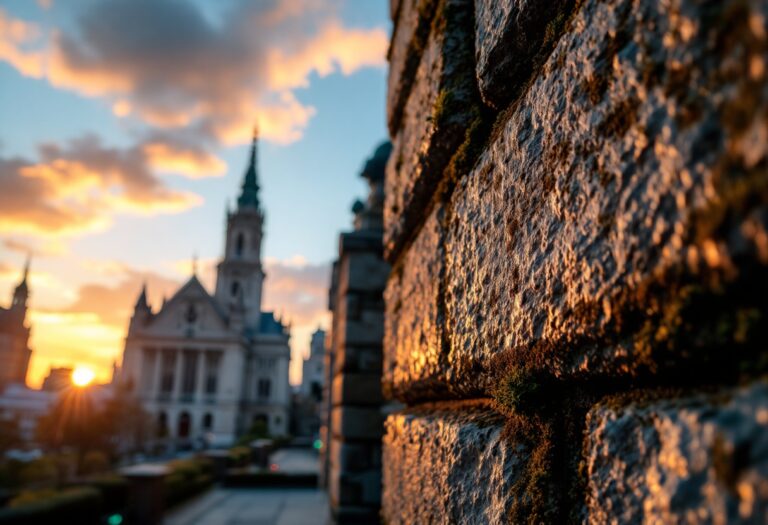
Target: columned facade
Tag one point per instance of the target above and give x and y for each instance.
(207, 367)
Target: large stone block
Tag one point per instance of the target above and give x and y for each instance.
(617, 223)
(412, 19)
(357, 389)
(355, 457)
(441, 105)
(362, 271)
(414, 322)
(511, 36)
(453, 465)
(356, 422)
(362, 327)
(356, 488)
(363, 359)
(699, 459)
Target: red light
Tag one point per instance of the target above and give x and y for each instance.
(274, 467)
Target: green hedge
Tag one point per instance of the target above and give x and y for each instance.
(187, 478)
(77, 505)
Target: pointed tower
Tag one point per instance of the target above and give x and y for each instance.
(141, 311)
(21, 293)
(240, 270)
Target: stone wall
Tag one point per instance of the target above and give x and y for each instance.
(576, 214)
(353, 420)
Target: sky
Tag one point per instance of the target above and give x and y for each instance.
(124, 132)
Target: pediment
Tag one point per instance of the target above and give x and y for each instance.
(190, 309)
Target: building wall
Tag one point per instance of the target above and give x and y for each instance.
(576, 216)
(143, 372)
(353, 424)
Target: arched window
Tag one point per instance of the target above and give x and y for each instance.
(235, 288)
(239, 244)
(208, 421)
(162, 424)
(185, 425)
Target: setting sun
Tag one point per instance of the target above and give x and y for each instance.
(82, 376)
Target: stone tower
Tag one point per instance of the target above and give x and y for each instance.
(240, 275)
(14, 335)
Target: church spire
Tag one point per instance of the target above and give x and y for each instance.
(249, 196)
(21, 293)
(141, 302)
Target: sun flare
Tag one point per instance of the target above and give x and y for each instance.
(82, 376)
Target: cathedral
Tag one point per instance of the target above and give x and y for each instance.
(211, 366)
(14, 336)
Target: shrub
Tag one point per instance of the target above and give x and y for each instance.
(40, 473)
(188, 477)
(76, 505)
(240, 456)
(94, 462)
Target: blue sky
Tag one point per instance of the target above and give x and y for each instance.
(320, 104)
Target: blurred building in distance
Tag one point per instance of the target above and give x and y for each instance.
(312, 369)
(14, 335)
(58, 379)
(307, 401)
(211, 366)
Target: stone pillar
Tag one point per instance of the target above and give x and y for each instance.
(354, 422)
(178, 369)
(200, 381)
(146, 493)
(156, 374)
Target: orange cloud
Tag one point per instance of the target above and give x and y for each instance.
(334, 48)
(79, 188)
(193, 163)
(14, 35)
(298, 291)
(164, 62)
(90, 330)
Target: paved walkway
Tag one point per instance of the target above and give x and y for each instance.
(253, 507)
(296, 461)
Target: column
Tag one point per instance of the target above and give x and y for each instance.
(154, 388)
(200, 385)
(177, 376)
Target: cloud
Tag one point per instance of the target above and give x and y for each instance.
(80, 186)
(14, 36)
(167, 64)
(165, 156)
(113, 304)
(35, 249)
(297, 289)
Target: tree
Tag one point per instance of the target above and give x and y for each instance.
(10, 435)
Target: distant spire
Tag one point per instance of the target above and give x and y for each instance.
(27, 264)
(21, 293)
(141, 302)
(194, 264)
(249, 196)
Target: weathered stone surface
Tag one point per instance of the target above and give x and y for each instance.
(700, 459)
(356, 488)
(628, 179)
(355, 457)
(440, 107)
(448, 466)
(510, 36)
(363, 271)
(414, 318)
(364, 326)
(412, 20)
(356, 422)
(365, 359)
(394, 6)
(357, 389)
